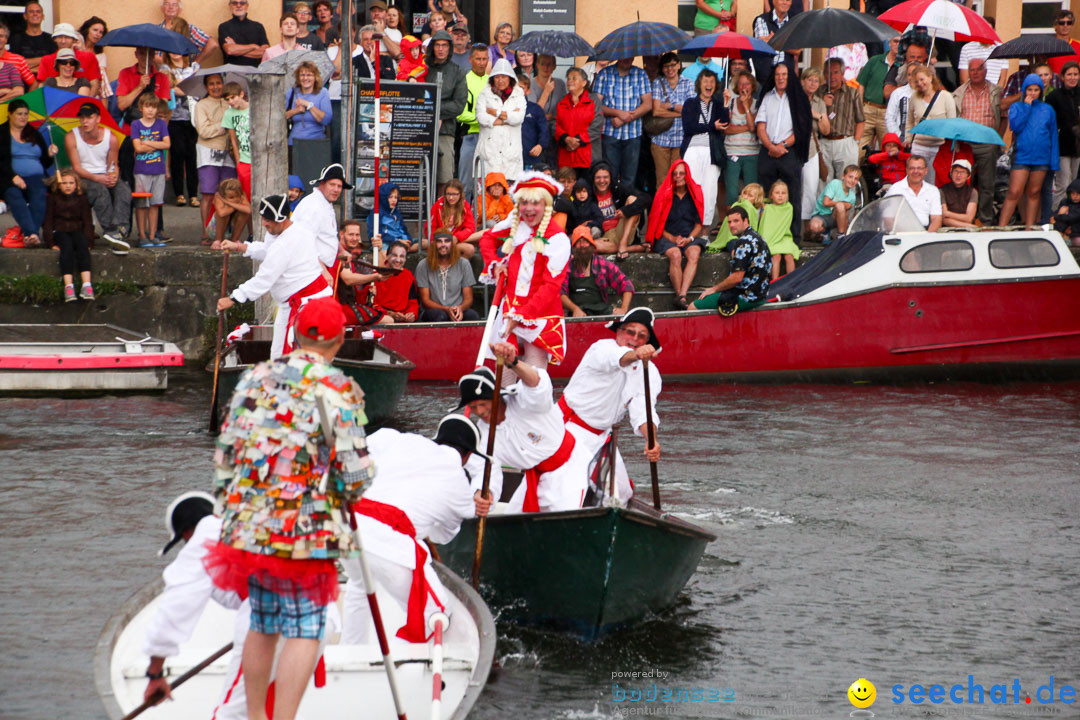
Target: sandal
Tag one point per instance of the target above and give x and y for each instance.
(680, 303)
(33, 241)
(181, 201)
(194, 202)
(622, 255)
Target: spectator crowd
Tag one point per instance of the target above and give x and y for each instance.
(654, 154)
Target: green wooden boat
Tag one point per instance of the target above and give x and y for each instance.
(381, 372)
(587, 571)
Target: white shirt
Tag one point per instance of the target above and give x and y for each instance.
(316, 213)
(926, 203)
(533, 428)
(775, 112)
(290, 264)
(602, 391)
(897, 110)
(187, 590)
(994, 67)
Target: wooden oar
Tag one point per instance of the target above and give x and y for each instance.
(651, 436)
(611, 468)
(217, 347)
(490, 322)
(157, 697)
(492, 424)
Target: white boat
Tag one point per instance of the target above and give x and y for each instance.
(356, 683)
(72, 359)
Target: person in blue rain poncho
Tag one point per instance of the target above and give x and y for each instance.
(391, 223)
(1035, 138)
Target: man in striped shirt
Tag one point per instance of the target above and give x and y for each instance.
(18, 62)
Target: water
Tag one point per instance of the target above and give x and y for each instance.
(909, 535)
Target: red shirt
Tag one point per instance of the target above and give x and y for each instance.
(129, 80)
(1056, 63)
(398, 293)
(88, 66)
(19, 62)
(574, 120)
(464, 229)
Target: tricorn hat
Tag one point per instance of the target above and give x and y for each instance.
(477, 385)
(641, 315)
(460, 432)
(334, 171)
(274, 208)
(184, 513)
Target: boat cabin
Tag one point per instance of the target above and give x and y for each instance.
(887, 246)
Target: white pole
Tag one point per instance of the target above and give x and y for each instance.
(437, 623)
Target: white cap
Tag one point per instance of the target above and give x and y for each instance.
(65, 30)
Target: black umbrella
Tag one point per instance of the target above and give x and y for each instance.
(831, 27)
(1027, 46)
(559, 43)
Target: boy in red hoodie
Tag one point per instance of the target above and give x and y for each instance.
(412, 66)
(892, 159)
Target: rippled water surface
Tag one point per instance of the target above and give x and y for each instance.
(909, 535)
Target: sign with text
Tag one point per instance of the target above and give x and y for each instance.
(548, 12)
(408, 121)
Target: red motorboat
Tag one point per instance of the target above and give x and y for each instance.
(886, 301)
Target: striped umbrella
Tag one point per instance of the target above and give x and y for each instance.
(640, 38)
(558, 43)
(945, 19)
(728, 44)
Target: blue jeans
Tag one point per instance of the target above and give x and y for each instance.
(465, 165)
(28, 206)
(623, 156)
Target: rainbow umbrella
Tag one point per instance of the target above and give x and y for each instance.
(53, 112)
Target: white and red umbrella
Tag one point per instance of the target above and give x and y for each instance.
(943, 18)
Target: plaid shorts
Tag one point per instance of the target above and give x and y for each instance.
(287, 613)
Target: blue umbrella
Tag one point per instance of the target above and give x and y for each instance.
(559, 43)
(152, 36)
(640, 38)
(958, 129)
(728, 44)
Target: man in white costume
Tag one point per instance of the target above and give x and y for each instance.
(316, 212)
(190, 518)
(421, 491)
(530, 434)
(290, 270)
(608, 385)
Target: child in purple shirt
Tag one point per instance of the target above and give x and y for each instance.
(150, 137)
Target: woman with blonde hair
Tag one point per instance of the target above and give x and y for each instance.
(309, 105)
(929, 101)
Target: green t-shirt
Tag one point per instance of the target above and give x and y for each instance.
(872, 78)
(240, 121)
(708, 22)
(834, 191)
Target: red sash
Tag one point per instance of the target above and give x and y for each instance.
(568, 415)
(414, 629)
(532, 475)
(296, 301)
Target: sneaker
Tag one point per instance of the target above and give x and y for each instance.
(69, 293)
(3, 207)
(116, 243)
(86, 292)
(162, 238)
(144, 243)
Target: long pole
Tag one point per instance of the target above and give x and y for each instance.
(493, 423)
(490, 322)
(157, 697)
(651, 434)
(378, 158)
(437, 623)
(614, 448)
(217, 347)
(369, 583)
(348, 101)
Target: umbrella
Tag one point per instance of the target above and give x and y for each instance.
(1027, 46)
(559, 43)
(946, 19)
(830, 27)
(193, 85)
(288, 62)
(42, 102)
(53, 112)
(958, 129)
(640, 38)
(152, 36)
(728, 44)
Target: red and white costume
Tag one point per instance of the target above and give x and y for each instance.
(536, 260)
(534, 438)
(600, 394)
(420, 491)
(291, 272)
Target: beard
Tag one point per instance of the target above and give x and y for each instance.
(583, 258)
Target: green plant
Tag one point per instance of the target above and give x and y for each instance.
(49, 289)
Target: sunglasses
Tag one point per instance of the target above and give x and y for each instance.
(238, 3)
(1064, 22)
(68, 62)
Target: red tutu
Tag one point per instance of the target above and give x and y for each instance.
(230, 569)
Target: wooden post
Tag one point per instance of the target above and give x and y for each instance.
(269, 154)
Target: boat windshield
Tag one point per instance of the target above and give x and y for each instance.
(835, 261)
(888, 215)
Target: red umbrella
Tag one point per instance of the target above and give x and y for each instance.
(946, 19)
(728, 44)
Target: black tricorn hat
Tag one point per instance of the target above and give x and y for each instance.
(477, 385)
(459, 432)
(333, 171)
(184, 513)
(641, 315)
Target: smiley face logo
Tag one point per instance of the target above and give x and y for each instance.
(862, 693)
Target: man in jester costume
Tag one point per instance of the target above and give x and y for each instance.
(534, 253)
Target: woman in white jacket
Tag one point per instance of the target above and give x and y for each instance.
(500, 110)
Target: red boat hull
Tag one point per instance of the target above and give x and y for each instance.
(916, 327)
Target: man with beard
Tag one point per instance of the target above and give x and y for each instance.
(531, 434)
(397, 295)
(609, 384)
(534, 256)
(445, 281)
(316, 212)
(592, 281)
(353, 286)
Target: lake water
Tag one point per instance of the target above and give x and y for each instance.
(909, 535)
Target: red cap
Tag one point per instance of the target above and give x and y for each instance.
(583, 232)
(321, 319)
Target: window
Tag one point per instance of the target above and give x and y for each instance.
(1037, 16)
(1030, 252)
(951, 256)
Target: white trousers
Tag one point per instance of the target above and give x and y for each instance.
(590, 444)
(837, 155)
(811, 178)
(706, 175)
(396, 580)
(282, 331)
